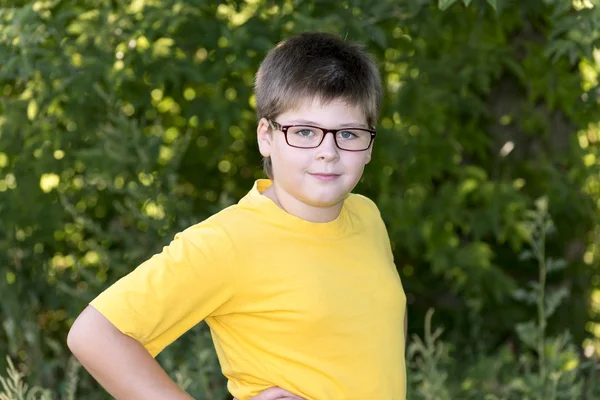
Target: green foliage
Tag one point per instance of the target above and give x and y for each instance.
(557, 360)
(547, 368)
(122, 123)
(429, 357)
(444, 4)
(13, 387)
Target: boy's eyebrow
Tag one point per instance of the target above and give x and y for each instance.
(345, 125)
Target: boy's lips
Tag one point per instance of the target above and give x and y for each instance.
(324, 176)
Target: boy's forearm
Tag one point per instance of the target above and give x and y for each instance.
(119, 363)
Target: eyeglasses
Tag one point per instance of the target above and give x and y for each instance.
(310, 137)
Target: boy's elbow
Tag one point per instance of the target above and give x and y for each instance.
(72, 341)
(75, 337)
(84, 330)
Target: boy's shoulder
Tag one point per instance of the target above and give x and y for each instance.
(228, 218)
(359, 201)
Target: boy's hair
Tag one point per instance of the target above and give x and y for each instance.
(313, 66)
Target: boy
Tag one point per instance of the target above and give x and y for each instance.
(297, 281)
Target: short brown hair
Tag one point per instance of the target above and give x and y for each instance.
(316, 66)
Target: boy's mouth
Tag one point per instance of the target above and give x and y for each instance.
(325, 177)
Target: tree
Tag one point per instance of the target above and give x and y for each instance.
(122, 123)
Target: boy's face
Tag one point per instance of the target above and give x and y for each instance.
(321, 176)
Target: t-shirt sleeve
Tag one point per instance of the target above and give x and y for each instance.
(381, 228)
(190, 279)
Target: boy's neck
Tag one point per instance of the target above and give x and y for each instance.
(304, 211)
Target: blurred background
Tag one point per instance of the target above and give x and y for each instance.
(124, 122)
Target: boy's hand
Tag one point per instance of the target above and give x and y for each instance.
(275, 393)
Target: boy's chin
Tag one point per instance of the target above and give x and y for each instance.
(324, 201)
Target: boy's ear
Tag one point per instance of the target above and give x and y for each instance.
(368, 153)
(263, 135)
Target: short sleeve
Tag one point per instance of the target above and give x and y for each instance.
(192, 278)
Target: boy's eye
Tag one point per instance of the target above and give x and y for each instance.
(347, 135)
(305, 132)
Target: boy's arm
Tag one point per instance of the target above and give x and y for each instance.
(119, 363)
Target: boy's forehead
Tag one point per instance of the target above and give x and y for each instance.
(305, 107)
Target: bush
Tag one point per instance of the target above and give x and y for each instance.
(123, 123)
(546, 368)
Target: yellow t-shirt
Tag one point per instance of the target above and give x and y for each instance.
(314, 308)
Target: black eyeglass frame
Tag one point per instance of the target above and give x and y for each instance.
(284, 129)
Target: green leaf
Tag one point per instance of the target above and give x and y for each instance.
(526, 255)
(467, 2)
(528, 333)
(493, 4)
(555, 265)
(378, 35)
(525, 296)
(516, 68)
(444, 4)
(555, 299)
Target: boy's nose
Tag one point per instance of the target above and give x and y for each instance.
(328, 150)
